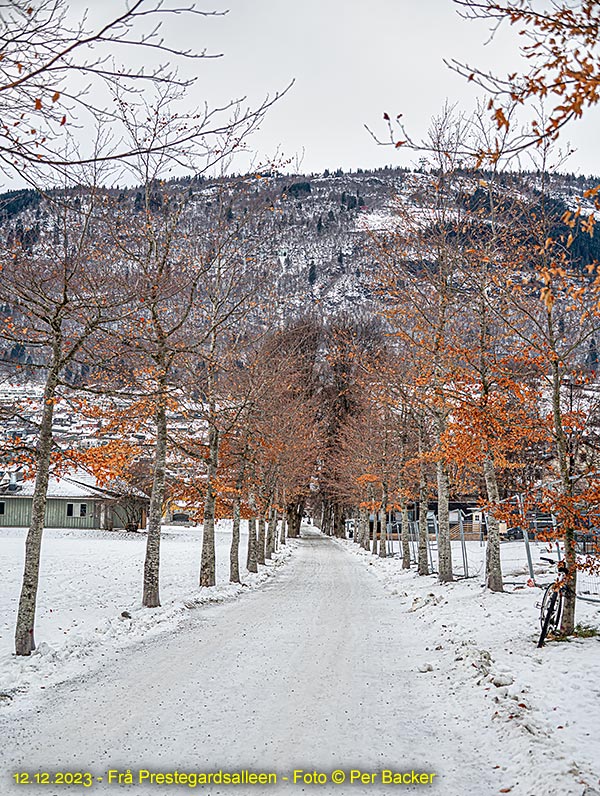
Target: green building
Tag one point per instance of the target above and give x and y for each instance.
(74, 501)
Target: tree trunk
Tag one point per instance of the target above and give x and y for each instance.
(405, 531)
(364, 525)
(331, 520)
(282, 530)
(339, 525)
(251, 563)
(260, 549)
(294, 519)
(326, 524)
(423, 567)
(444, 545)
(271, 532)
(423, 563)
(252, 557)
(383, 514)
(357, 527)
(567, 625)
(151, 595)
(207, 563)
(405, 537)
(322, 524)
(234, 552)
(371, 501)
(24, 632)
(290, 520)
(493, 566)
(298, 517)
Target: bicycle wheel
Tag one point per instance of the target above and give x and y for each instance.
(551, 611)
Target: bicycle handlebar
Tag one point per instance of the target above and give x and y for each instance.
(561, 565)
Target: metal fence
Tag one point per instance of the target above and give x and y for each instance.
(520, 549)
(460, 554)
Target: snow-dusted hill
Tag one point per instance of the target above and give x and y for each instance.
(308, 234)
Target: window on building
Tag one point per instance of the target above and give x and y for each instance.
(2, 507)
(80, 512)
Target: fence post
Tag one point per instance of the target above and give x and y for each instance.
(558, 550)
(433, 570)
(462, 542)
(526, 537)
(437, 542)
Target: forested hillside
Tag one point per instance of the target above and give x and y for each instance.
(311, 233)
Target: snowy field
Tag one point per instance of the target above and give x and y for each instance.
(88, 578)
(481, 648)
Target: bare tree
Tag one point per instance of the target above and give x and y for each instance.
(58, 304)
(561, 66)
(57, 76)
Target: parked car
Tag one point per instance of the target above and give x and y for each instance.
(512, 534)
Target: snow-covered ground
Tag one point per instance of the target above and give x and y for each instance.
(88, 579)
(341, 662)
(544, 704)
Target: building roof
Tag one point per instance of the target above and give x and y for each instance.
(80, 485)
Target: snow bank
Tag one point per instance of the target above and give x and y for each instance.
(89, 601)
(543, 704)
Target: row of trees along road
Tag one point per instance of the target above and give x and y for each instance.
(102, 292)
(165, 326)
(560, 80)
(492, 308)
(494, 317)
(474, 381)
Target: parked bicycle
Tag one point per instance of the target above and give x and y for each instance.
(552, 602)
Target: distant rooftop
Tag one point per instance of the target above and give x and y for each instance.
(78, 485)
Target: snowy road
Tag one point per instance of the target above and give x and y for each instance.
(317, 670)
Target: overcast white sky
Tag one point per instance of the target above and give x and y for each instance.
(351, 61)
